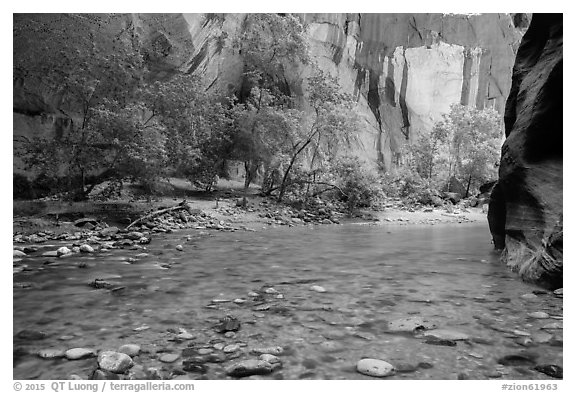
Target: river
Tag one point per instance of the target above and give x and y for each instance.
(447, 275)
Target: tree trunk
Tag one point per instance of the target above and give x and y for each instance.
(468, 186)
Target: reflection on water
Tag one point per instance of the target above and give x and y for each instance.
(371, 274)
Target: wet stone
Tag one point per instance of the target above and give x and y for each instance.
(63, 251)
(27, 334)
(231, 348)
(269, 358)
(268, 350)
(317, 288)
(516, 360)
(169, 358)
(249, 367)
(425, 365)
(103, 375)
(551, 370)
(51, 353)
(80, 353)
(130, 349)
(539, 315)
(493, 374)
(439, 341)
(374, 368)
(227, 324)
(405, 368)
(86, 248)
(114, 362)
(450, 335)
(410, 324)
(194, 367)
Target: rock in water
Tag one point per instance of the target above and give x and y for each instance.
(86, 248)
(267, 350)
(109, 231)
(169, 358)
(18, 254)
(115, 362)
(51, 353)
(375, 368)
(63, 251)
(130, 349)
(526, 207)
(228, 324)
(443, 334)
(410, 324)
(249, 367)
(79, 353)
(551, 370)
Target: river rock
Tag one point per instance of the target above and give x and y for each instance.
(50, 254)
(268, 350)
(80, 353)
(551, 370)
(86, 248)
(169, 358)
(63, 251)
(114, 362)
(559, 292)
(375, 368)
(51, 353)
(130, 349)
(110, 231)
(28, 334)
(539, 315)
(553, 326)
(444, 334)
(231, 348)
(249, 367)
(516, 360)
(317, 288)
(103, 375)
(269, 358)
(227, 324)
(179, 247)
(134, 235)
(541, 337)
(18, 254)
(410, 324)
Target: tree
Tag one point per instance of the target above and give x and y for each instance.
(267, 43)
(332, 124)
(88, 76)
(473, 139)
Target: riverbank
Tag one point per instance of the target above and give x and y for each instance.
(223, 208)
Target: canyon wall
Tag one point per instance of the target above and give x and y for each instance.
(404, 70)
(526, 204)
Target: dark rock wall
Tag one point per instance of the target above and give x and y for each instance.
(526, 204)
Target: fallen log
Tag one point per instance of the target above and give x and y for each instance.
(181, 206)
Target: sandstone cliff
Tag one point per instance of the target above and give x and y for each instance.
(405, 70)
(526, 204)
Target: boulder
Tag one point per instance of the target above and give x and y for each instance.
(114, 362)
(63, 251)
(374, 367)
(525, 213)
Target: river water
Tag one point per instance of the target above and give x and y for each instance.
(445, 274)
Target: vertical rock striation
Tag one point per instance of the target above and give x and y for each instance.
(525, 213)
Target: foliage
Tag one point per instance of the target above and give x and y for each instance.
(333, 126)
(358, 185)
(474, 140)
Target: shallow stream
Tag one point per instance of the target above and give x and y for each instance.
(446, 275)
